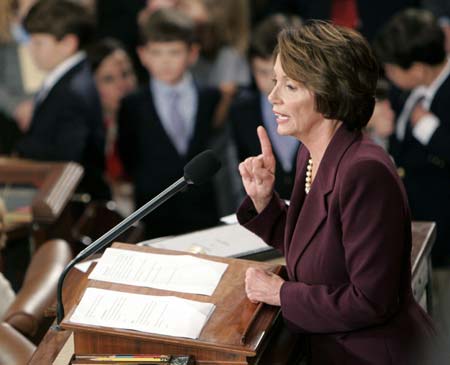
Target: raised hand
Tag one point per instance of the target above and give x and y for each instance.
(258, 173)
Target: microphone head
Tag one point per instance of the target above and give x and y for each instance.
(201, 168)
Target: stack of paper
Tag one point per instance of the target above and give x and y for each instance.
(165, 315)
(231, 240)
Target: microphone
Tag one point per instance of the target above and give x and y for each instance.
(197, 171)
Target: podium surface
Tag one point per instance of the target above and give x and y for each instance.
(222, 338)
(281, 346)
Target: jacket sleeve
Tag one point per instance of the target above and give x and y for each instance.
(375, 220)
(67, 141)
(269, 224)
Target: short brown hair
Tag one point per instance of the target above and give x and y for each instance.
(60, 18)
(167, 25)
(337, 65)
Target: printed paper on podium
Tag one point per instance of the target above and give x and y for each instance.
(164, 315)
(231, 240)
(180, 273)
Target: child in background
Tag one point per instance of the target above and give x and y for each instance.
(67, 122)
(252, 108)
(166, 123)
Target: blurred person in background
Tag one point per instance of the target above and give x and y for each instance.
(19, 78)
(251, 107)
(67, 123)
(411, 47)
(115, 78)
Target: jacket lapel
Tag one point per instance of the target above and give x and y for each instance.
(308, 212)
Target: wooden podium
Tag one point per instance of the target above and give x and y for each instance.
(281, 346)
(236, 333)
(54, 183)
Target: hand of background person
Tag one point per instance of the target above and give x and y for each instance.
(382, 120)
(263, 286)
(258, 173)
(418, 113)
(23, 114)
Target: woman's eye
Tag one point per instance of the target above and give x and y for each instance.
(291, 87)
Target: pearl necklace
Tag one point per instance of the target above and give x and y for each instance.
(308, 178)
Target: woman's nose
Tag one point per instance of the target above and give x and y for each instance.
(272, 97)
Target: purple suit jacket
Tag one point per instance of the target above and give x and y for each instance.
(347, 246)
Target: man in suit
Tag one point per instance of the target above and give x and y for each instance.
(252, 108)
(67, 119)
(411, 47)
(167, 122)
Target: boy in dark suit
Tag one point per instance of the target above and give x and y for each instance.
(166, 123)
(67, 119)
(252, 108)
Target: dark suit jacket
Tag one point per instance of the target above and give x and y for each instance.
(153, 162)
(245, 116)
(9, 133)
(427, 172)
(68, 126)
(347, 246)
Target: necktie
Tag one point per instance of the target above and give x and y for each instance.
(403, 127)
(177, 124)
(409, 126)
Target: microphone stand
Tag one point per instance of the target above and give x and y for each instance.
(113, 233)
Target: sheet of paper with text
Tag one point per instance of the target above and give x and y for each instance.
(164, 315)
(181, 273)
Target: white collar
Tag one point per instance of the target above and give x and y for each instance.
(183, 84)
(55, 75)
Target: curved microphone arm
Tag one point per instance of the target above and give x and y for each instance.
(113, 233)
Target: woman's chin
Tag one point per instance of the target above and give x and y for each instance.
(282, 130)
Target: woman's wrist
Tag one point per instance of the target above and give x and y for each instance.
(261, 204)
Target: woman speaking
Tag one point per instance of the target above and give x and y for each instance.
(346, 235)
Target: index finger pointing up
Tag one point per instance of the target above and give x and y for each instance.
(266, 148)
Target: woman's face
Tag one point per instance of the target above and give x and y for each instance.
(115, 78)
(293, 105)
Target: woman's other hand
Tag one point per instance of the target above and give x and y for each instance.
(258, 173)
(263, 286)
